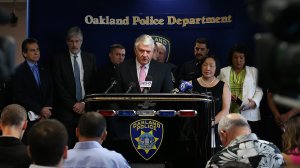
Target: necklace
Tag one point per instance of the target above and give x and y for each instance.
(208, 84)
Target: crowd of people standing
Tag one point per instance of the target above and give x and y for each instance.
(58, 92)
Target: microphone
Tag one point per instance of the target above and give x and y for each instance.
(113, 83)
(175, 91)
(186, 86)
(146, 85)
(131, 86)
(209, 95)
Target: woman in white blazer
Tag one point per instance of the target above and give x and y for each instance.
(242, 80)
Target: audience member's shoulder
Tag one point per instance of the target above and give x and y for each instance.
(270, 144)
(113, 154)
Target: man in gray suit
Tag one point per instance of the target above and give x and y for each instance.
(73, 74)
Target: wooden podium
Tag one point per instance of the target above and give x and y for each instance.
(185, 136)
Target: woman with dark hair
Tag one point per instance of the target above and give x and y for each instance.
(210, 84)
(291, 142)
(242, 80)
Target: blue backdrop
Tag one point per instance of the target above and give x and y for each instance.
(48, 21)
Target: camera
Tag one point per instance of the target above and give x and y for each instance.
(278, 49)
(7, 59)
(7, 47)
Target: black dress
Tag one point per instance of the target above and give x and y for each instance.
(217, 93)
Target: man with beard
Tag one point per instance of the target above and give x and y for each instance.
(190, 70)
(74, 72)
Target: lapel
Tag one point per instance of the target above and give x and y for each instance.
(42, 76)
(248, 77)
(151, 70)
(67, 66)
(133, 73)
(85, 65)
(31, 76)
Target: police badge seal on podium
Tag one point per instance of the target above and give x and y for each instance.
(146, 136)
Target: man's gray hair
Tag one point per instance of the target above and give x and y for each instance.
(74, 32)
(232, 120)
(145, 40)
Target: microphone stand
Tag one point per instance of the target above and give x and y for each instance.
(110, 87)
(209, 117)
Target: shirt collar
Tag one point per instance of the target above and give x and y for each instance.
(31, 64)
(87, 145)
(72, 55)
(243, 138)
(138, 65)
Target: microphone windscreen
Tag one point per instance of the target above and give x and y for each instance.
(185, 86)
(132, 84)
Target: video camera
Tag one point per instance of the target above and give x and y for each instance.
(7, 57)
(278, 49)
(7, 47)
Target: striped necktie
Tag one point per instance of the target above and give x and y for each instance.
(35, 70)
(77, 79)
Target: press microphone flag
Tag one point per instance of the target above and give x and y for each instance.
(146, 85)
(185, 86)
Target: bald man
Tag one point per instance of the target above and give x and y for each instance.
(242, 145)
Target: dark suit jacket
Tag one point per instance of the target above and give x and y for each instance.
(160, 73)
(13, 153)
(26, 91)
(188, 71)
(105, 76)
(64, 81)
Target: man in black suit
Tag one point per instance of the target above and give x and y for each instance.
(13, 124)
(130, 71)
(32, 83)
(73, 74)
(107, 73)
(190, 70)
(161, 56)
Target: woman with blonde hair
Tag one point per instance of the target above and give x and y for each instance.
(291, 142)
